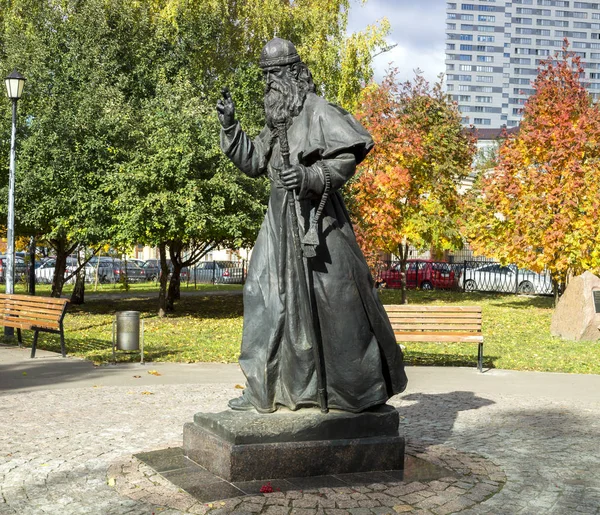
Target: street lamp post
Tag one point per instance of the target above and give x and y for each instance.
(14, 89)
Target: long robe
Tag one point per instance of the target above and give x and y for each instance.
(362, 364)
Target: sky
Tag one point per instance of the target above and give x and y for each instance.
(417, 29)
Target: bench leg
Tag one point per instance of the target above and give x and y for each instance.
(34, 345)
(480, 357)
(62, 341)
(19, 337)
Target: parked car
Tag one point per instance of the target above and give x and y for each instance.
(509, 278)
(219, 272)
(44, 274)
(20, 268)
(420, 273)
(138, 262)
(110, 270)
(151, 268)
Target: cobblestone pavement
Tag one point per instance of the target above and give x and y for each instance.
(70, 452)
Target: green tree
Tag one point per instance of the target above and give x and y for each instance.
(406, 190)
(74, 116)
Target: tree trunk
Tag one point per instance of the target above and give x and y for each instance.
(124, 278)
(403, 252)
(78, 295)
(164, 276)
(174, 292)
(58, 280)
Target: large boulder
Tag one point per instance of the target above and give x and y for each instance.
(575, 317)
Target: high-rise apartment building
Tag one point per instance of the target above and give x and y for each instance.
(494, 47)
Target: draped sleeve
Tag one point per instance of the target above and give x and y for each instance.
(250, 156)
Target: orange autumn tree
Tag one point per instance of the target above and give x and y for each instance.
(405, 192)
(539, 208)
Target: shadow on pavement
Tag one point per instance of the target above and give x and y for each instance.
(438, 412)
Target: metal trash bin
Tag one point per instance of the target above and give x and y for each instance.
(126, 333)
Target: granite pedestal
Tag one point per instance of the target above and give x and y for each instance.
(243, 446)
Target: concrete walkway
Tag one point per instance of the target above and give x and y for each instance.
(65, 423)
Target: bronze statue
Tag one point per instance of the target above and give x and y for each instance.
(315, 332)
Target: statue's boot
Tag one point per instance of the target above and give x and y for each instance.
(240, 403)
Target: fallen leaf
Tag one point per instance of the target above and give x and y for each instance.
(111, 481)
(154, 372)
(24, 373)
(239, 386)
(147, 393)
(137, 377)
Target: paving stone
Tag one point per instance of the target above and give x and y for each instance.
(276, 510)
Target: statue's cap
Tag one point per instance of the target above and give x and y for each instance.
(278, 52)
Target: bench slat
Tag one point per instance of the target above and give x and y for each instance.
(54, 324)
(431, 314)
(413, 307)
(441, 319)
(37, 305)
(24, 324)
(33, 298)
(440, 337)
(438, 327)
(37, 320)
(25, 311)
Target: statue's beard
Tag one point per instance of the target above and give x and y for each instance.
(283, 100)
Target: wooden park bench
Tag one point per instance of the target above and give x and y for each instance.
(437, 324)
(34, 313)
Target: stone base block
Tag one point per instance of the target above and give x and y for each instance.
(247, 446)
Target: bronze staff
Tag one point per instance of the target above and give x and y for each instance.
(305, 301)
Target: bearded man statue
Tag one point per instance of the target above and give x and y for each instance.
(343, 352)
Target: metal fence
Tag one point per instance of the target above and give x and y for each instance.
(468, 276)
(218, 272)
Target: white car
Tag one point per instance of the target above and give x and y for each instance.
(44, 274)
(509, 278)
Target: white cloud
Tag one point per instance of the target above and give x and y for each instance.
(417, 29)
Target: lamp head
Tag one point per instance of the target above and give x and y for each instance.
(14, 85)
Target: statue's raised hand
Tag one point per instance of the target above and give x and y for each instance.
(226, 109)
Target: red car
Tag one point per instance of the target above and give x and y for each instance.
(420, 273)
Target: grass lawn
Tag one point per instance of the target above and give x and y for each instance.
(208, 328)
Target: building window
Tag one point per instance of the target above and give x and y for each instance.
(487, 39)
(484, 78)
(485, 58)
(482, 121)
